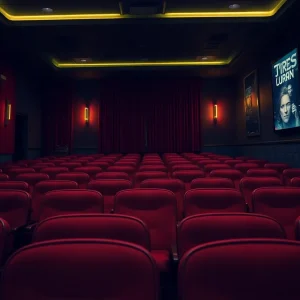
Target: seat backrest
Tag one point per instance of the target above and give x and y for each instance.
(210, 167)
(63, 202)
(109, 188)
(233, 162)
(244, 167)
(53, 171)
(289, 174)
(200, 229)
(113, 175)
(280, 203)
(91, 170)
(201, 201)
(295, 182)
(174, 185)
(234, 175)
(103, 226)
(249, 184)
(14, 185)
(126, 169)
(141, 176)
(262, 172)
(154, 167)
(3, 177)
(81, 269)
(279, 167)
(15, 207)
(212, 182)
(5, 246)
(81, 178)
(101, 164)
(12, 173)
(183, 167)
(187, 176)
(71, 165)
(43, 187)
(32, 179)
(241, 269)
(157, 208)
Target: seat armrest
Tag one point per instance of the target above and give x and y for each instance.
(247, 208)
(174, 253)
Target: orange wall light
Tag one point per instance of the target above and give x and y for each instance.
(7, 112)
(87, 115)
(215, 113)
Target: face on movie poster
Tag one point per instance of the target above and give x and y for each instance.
(285, 84)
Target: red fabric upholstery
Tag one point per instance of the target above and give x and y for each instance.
(297, 229)
(38, 167)
(100, 164)
(154, 167)
(147, 162)
(260, 162)
(210, 167)
(81, 269)
(205, 228)
(289, 174)
(42, 188)
(181, 167)
(141, 176)
(244, 167)
(92, 171)
(233, 162)
(32, 179)
(71, 165)
(234, 175)
(103, 226)
(3, 177)
(5, 246)
(279, 167)
(157, 208)
(126, 169)
(295, 182)
(212, 182)
(188, 176)
(14, 185)
(249, 184)
(109, 188)
(12, 173)
(15, 207)
(53, 171)
(81, 178)
(126, 163)
(281, 203)
(201, 201)
(245, 269)
(203, 163)
(263, 172)
(174, 185)
(113, 175)
(70, 202)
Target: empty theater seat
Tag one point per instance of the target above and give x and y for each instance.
(295, 182)
(187, 176)
(263, 172)
(15, 207)
(42, 188)
(126, 169)
(113, 175)
(92, 171)
(200, 229)
(81, 269)
(279, 167)
(3, 177)
(249, 184)
(107, 226)
(289, 174)
(234, 175)
(141, 176)
(280, 203)
(12, 173)
(32, 179)
(68, 201)
(14, 185)
(212, 182)
(241, 269)
(201, 201)
(53, 171)
(109, 188)
(157, 208)
(81, 178)
(5, 231)
(244, 167)
(153, 167)
(174, 185)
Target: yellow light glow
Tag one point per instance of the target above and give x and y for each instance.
(215, 112)
(99, 16)
(86, 114)
(8, 116)
(132, 64)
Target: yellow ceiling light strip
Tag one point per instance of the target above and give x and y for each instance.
(98, 16)
(70, 65)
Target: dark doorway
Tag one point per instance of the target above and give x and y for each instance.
(21, 137)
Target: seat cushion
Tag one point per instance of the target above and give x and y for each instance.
(162, 258)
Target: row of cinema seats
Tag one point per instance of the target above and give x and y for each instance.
(153, 201)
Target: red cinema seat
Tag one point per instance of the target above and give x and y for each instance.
(234, 175)
(81, 269)
(15, 207)
(203, 163)
(92, 171)
(202, 201)
(279, 167)
(58, 162)
(174, 185)
(250, 184)
(14, 185)
(4, 177)
(71, 165)
(212, 182)
(113, 175)
(157, 208)
(289, 174)
(5, 232)
(81, 178)
(295, 182)
(126, 163)
(141, 176)
(260, 162)
(245, 269)
(211, 167)
(53, 171)
(280, 203)
(244, 167)
(38, 167)
(151, 168)
(109, 188)
(152, 162)
(263, 172)
(63, 202)
(126, 169)
(233, 162)
(100, 164)
(12, 173)
(188, 176)
(32, 179)
(184, 167)
(200, 229)
(100, 226)
(42, 188)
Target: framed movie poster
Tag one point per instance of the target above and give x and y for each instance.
(251, 104)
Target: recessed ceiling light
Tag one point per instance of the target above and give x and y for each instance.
(47, 10)
(204, 58)
(83, 60)
(234, 6)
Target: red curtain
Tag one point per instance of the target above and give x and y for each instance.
(153, 116)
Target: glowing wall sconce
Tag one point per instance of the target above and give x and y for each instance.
(215, 113)
(7, 112)
(87, 115)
